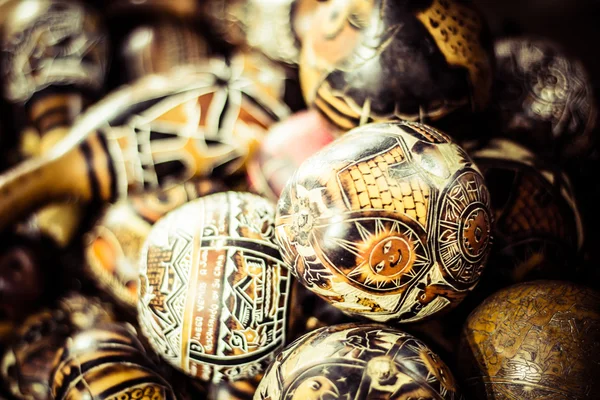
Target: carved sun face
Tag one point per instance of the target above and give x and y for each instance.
(391, 256)
(385, 259)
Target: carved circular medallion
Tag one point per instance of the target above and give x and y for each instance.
(465, 228)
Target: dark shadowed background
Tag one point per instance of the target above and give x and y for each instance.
(573, 23)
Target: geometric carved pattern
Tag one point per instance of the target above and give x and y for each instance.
(464, 228)
(369, 185)
(114, 245)
(214, 290)
(156, 276)
(535, 211)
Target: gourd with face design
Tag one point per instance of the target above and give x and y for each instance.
(377, 60)
(354, 361)
(390, 222)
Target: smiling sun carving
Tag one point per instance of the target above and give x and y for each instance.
(391, 256)
(388, 258)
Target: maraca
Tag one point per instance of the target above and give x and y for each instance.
(157, 132)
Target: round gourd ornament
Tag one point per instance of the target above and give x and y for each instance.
(27, 364)
(213, 287)
(113, 246)
(391, 222)
(535, 340)
(354, 361)
(538, 229)
(545, 97)
(107, 362)
(375, 60)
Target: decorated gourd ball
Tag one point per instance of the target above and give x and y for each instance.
(535, 340)
(376, 60)
(107, 362)
(354, 361)
(213, 287)
(538, 230)
(51, 43)
(545, 97)
(112, 247)
(27, 364)
(390, 222)
(275, 161)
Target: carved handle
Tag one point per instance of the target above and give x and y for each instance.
(82, 173)
(52, 114)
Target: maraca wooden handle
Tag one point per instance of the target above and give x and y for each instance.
(83, 173)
